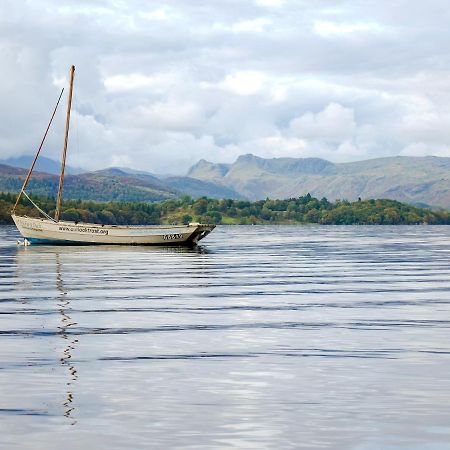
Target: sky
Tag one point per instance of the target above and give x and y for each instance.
(162, 84)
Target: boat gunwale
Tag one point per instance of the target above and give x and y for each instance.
(97, 225)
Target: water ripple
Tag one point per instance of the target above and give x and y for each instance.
(264, 337)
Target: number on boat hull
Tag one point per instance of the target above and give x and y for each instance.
(171, 237)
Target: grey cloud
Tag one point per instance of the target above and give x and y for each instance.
(160, 85)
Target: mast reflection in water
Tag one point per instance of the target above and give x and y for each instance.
(70, 342)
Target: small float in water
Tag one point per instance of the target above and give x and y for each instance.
(49, 230)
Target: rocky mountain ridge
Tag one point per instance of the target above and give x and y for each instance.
(417, 180)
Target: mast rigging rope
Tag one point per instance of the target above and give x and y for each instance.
(39, 209)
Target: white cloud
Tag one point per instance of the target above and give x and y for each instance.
(270, 3)
(118, 83)
(334, 123)
(244, 82)
(257, 25)
(161, 14)
(347, 150)
(169, 115)
(158, 87)
(416, 149)
(272, 146)
(323, 28)
(133, 81)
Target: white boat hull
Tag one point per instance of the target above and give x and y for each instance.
(44, 231)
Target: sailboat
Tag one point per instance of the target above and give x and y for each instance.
(52, 230)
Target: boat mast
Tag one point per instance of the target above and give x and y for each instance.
(66, 138)
(27, 179)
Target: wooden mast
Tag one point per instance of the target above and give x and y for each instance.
(66, 138)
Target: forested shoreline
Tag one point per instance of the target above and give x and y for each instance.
(301, 210)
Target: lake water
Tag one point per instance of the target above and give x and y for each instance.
(279, 337)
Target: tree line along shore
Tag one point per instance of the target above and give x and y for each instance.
(301, 210)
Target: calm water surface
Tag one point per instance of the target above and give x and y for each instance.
(265, 337)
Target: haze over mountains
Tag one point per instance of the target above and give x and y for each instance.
(43, 164)
(416, 180)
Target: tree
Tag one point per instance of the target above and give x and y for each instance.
(312, 216)
(200, 206)
(186, 219)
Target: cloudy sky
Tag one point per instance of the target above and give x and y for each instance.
(161, 84)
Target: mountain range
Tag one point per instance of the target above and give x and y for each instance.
(113, 184)
(415, 180)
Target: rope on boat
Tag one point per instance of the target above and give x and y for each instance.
(39, 209)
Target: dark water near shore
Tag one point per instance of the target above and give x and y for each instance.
(265, 337)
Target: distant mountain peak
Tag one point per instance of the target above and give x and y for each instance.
(206, 169)
(43, 164)
(112, 171)
(248, 157)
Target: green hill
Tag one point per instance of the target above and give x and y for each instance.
(301, 210)
(112, 184)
